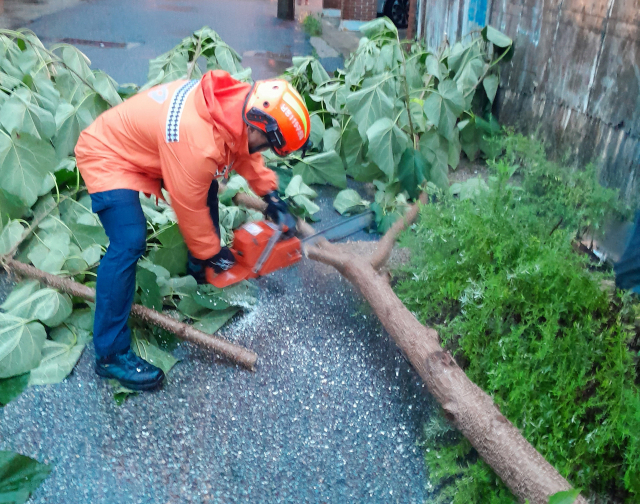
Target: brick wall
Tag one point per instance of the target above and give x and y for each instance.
(331, 4)
(360, 10)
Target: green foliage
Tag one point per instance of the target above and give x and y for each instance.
(566, 497)
(312, 25)
(527, 319)
(183, 60)
(47, 97)
(369, 120)
(20, 476)
(348, 201)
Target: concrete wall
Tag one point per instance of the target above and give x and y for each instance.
(574, 79)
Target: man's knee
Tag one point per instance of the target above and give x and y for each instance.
(132, 241)
(139, 241)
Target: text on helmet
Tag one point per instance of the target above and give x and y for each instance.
(296, 124)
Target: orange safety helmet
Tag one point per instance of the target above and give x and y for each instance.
(277, 109)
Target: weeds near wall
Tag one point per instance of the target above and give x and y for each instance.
(529, 320)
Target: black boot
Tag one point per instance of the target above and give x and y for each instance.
(130, 370)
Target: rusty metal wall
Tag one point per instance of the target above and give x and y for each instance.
(574, 80)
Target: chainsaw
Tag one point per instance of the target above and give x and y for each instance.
(263, 247)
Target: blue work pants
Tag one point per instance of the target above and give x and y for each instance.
(124, 222)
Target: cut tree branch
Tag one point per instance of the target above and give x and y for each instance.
(472, 411)
(231, 351)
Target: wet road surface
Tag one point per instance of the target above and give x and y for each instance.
(133, 32)
(332, 414)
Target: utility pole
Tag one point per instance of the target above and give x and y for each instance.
(285, 9)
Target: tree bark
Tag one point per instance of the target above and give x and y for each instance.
(231, 351)
(527, 474)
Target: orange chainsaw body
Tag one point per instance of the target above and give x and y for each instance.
(249, 241)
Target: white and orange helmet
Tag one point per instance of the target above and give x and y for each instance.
(277, 109)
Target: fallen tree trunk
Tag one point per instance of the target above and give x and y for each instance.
(472, 411)
(231, 351)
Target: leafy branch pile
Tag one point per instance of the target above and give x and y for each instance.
(397, 116)
(47, 96)
(533, 323)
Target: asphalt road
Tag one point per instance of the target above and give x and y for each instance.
(132, 33)
(333, 413)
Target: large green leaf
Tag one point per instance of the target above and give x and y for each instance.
(368, 106)
(88, 235)
(469, 189)
(365, 171)
(380, 27)
(29, 302)
(107, 88)
(225, 58)
(150, 291)
(167, 67)
(349, 201)
(10, 388)
(20, 476)
(21, 345)
(496, 37)
(300, 193)
(47, 95)
(20, 114)
(152, 353)
(71, 120)
(352, 146)
(444, 107)
(180, 286)
(566, 497)
(59, 356)
(24, 162)
(490, 84)
(317, 130)
(51, 254)
(412, 171)
(243, 295)
(331, 139)
(387, 142)
(297, 187)
(173, 253)
(10, 235)
(77, 61)
(324, 168)
(215, 320)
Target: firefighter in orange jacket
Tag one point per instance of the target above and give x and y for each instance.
(182, 136)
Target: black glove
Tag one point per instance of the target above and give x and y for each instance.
(278, 211)
(275, 206)
(222, 261)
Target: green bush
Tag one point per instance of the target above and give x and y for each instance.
(312, 25)
(529, 321)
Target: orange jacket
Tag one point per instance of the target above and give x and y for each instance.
(179, 136)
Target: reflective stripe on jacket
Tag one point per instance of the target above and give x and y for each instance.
(179, 136)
